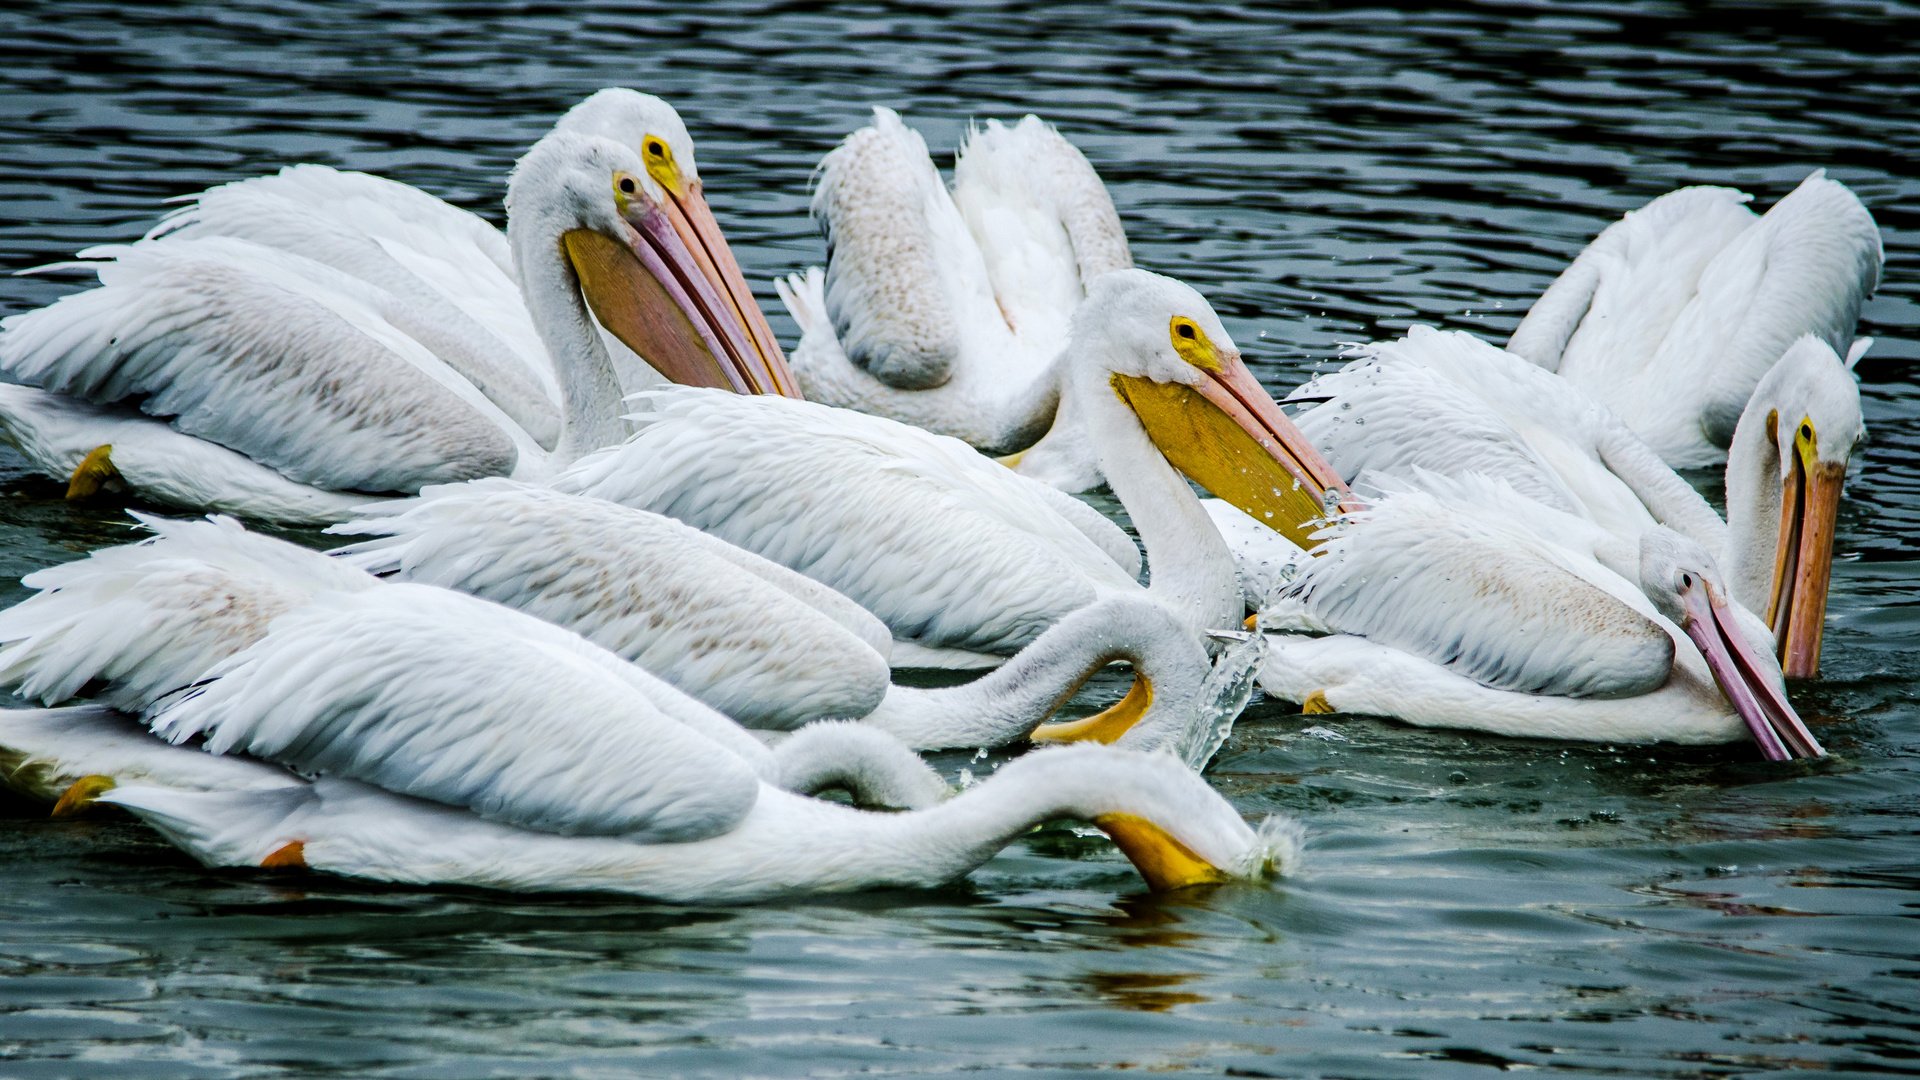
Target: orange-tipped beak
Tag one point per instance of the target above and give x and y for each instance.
(1803, 564)
(758, 351)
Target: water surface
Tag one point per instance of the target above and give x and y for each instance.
(1330, 175)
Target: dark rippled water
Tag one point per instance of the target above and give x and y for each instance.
(1324, 175)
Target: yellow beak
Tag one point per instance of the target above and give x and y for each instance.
(1163, 861)
(1105, 726)
(1228, 436)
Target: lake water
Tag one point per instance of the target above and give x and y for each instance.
(1468, 904)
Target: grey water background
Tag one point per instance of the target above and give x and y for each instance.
(1324, 174)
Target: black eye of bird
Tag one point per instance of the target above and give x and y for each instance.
(655, 148)
(1806, 432)
(1185, 331)
(627, 185)
(1686, 581)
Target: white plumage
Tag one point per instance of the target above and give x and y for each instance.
(1447, 404)
(784, 845)
(1426, 609)
(1671, 315)
(961, 558)
(352, 337)
(146, 622)
(462, 742)
(948, 311)
(759, 642)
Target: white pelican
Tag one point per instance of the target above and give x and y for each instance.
(766, 646)
(1452, 405)
(947, 311)
(1494, 613)
(446, 276)
(1671, 315)
(136, 625)
(288, 394)
(963, 560)
(462, 743)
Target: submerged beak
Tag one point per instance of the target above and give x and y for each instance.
(1803, 563)
(1162, 860)
(684, 311)
(1742, 676)
(1228, 436)
(686, 209)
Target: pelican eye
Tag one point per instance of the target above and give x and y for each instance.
(1191, 343)
(1686, 581)
(660, 164)
(628, 186)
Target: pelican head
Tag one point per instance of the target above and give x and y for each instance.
(1171, 824)
(1684, 583)
(653, 130)
(1810, 406)
(1158, 345)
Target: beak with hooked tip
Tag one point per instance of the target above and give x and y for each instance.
(1743, 675)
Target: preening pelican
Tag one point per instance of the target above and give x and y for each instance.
(963, 560)
(1451, 405)
(279, 385)
(1672, 315)
(457, 741)
(140, 624)
(767, 646)
(1484, 610)
(948, 311)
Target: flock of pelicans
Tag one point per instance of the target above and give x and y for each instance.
(625, 588)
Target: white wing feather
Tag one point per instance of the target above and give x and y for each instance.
(753, 639)
(55, 433)
(1498, 605)
(442, 285)
(43, 751)
(1672, 314)
(151, 617)
(948, 548)
(430, 693)
(1043, 221)
(1454, 405)
(904, 278)
(281, 362)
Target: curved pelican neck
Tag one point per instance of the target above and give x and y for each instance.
(808, 845)
(1015, 698)
(1671, 500)
(1190, 569)
(1754, 496)
(589, 389)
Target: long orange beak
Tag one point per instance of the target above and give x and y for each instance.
(725, 287)
(1803, 563)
